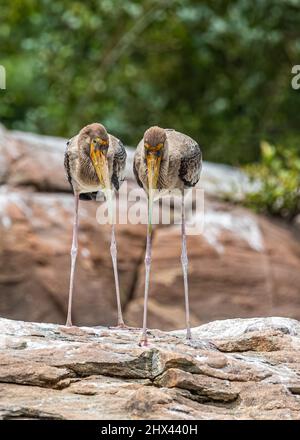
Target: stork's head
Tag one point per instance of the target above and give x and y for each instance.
(96, 142)
(154, 144)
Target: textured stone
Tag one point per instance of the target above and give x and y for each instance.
(203, 387)
(49, 371)
(32, 160)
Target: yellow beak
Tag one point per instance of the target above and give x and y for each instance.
(101, 166)
(153, 165)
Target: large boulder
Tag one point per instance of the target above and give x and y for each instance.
(233, 369)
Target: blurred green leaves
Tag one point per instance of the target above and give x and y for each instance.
(279, 175)
(219, 71)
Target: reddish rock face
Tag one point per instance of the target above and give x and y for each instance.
(242, 265)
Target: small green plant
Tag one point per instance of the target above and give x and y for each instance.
(278, 177)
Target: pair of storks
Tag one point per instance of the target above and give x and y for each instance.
(164, 160)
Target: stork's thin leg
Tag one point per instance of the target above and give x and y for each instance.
(113, 251)
(73, 258)
(144, 340)
(184, 262)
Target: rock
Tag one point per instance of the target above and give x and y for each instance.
(49, 371)
(297, 221)
(204, 389)
(32, 160)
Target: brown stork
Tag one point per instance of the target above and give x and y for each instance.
(166, 160)
(94, 161)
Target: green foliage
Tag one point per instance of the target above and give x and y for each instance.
(220, 70)
(278, 175)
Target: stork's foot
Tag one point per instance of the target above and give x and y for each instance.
(69, 323)
(144, 341)
(188, 335)
(189, 342)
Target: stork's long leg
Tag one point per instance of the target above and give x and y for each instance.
(113, 251)
(184, 262)
(73, 257)
(144, 340)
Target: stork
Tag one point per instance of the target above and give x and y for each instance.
(166, 160)
(94, 160)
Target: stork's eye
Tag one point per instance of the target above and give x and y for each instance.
(151, 148)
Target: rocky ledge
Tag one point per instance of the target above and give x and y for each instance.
(233, 369)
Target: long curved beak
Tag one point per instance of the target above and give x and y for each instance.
(100, 163)
(153, 165)
(101, 166)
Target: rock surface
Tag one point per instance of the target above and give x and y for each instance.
(233, 369)
(241, 265)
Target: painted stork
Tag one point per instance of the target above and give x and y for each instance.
(94, 161)
(166, 160)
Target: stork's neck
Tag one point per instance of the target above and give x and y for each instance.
(83, 149)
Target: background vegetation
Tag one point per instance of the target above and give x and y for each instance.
(218, 70)
(279, 175)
